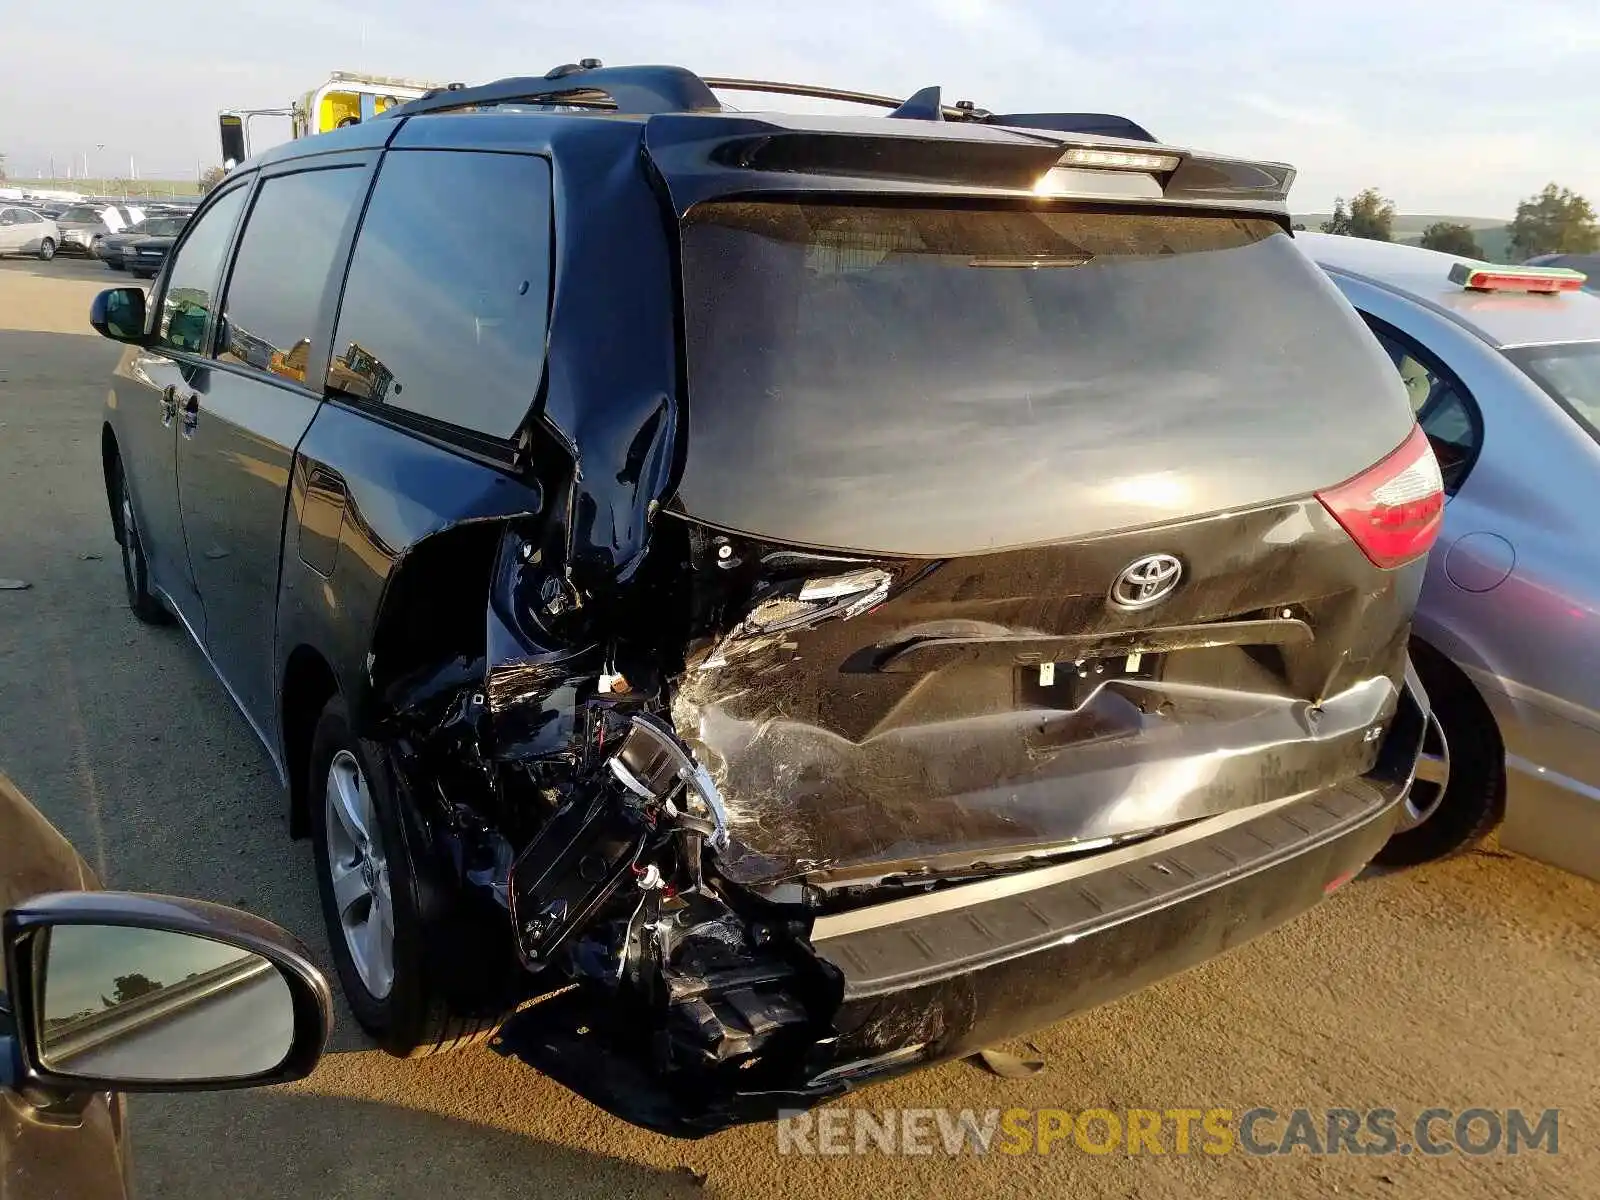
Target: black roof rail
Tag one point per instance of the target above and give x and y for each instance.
(924, 107)
(667, 89)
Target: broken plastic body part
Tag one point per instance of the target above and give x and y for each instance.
(653, 766)
(652, 799)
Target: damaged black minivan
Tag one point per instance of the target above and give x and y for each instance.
(773, 601)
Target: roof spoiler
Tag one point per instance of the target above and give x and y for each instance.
(1103, 124)
(645, 90)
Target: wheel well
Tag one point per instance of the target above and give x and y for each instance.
(308, 684)
(1437, 669)
(110, 463)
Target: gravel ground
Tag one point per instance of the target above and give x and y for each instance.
(1470, 983)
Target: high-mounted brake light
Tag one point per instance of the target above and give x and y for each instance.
(1392, 509)
(1119, 160)
(1126, 172)
(1479, 278)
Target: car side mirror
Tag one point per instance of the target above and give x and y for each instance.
(156, 994)
(118, 314)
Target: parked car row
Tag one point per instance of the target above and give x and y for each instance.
(108, 232)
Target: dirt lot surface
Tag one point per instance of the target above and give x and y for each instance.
(1471, 983)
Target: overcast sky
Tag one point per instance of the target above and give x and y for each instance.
(1448, 106)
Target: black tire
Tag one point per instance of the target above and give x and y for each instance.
(1474, 801)
(454, 979)
(141, 274)
(142, 602)
(115, 264)
(47, 249)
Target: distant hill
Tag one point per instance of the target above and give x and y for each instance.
(1490, 231)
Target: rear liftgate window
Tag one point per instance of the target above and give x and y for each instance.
(951, 380)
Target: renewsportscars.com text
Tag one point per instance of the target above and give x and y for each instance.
(1263, 1132)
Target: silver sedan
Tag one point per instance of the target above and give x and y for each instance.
(1505, 380)
(23, 231)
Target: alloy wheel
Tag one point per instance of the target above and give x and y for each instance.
(130, 543)
(359, 874)
(1432, 778)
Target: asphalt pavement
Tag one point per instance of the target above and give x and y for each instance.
(1474, 982)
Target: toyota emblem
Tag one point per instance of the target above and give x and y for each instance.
(1146, 581)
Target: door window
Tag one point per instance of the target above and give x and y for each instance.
(445, 307)
(8, 216)
(1443, 406)
(285, 254)
(192, 278)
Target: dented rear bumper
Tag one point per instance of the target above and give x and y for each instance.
(966, 977)
(948, 973)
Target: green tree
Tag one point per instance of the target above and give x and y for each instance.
(1453, 238)
(1370, 215)
(210, 177)
(1556, 221)
(131, 987)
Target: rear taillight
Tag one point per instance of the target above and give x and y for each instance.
(1393, 509)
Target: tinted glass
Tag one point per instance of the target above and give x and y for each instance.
(81, 214)
(192, 281)
(282, 266)
(1572, 375)
(24, 217)
(955, 380)
(8, 216)
(444, 310)
(1442, 406)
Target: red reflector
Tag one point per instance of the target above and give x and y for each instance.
(1510, 281)
(1393, 509)
(1338, 881)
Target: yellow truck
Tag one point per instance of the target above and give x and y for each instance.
(347, 98)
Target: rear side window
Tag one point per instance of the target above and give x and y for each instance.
(192, 278)
(446, 303)
(1570, 373)
(282, 267)
(1443, 406)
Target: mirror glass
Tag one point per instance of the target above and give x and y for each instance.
(125, 312)
(152, 1005)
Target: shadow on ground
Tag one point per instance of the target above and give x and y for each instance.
(289, 1143)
